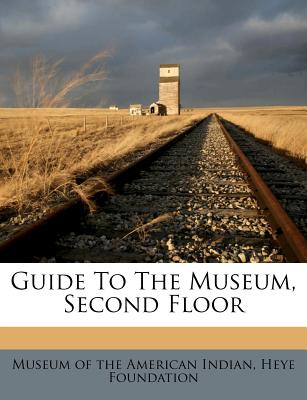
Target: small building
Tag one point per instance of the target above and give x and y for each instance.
(157, 109)
(136, 109)
(113, 108)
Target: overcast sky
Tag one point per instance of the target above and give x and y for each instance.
(232, 52)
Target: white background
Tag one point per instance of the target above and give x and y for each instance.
(279, 308)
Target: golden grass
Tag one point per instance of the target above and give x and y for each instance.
(142, 227)
(44, 87)
(42, 151)
(285, 128)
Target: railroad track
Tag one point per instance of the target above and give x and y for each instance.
(286, 180)
(190, 201)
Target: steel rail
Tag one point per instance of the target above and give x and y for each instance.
(285, 230)
(19, 246)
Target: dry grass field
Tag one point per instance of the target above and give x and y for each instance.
(285, 128)
(42, 150)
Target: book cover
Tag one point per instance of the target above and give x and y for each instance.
(153, 199)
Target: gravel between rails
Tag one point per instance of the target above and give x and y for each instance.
(191, 205)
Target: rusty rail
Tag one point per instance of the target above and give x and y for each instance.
(18, 247)
(284, 229)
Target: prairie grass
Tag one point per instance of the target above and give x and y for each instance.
(142, 228)
(284, 128)
(42, 151)
(42, 87)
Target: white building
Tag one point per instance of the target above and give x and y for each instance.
(136, 109)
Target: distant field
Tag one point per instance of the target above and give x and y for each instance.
(72, 118)
(285, 128)
(43, 112)
(42, 150)
(265, 109)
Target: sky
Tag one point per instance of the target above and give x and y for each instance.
(231, 52)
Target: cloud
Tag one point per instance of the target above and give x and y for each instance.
(281, 24)
(57, 16)
(276, 45)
